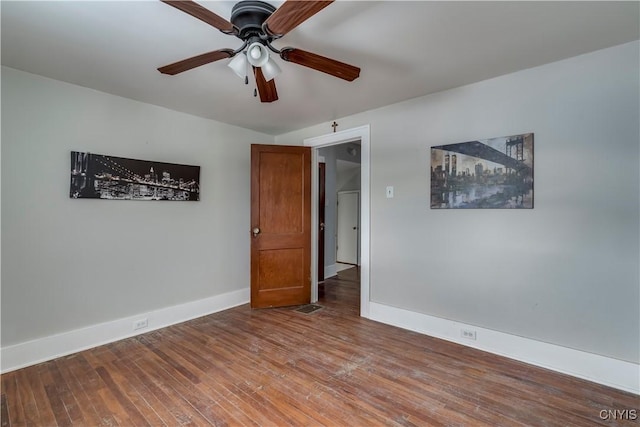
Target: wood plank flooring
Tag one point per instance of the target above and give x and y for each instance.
(279, 367)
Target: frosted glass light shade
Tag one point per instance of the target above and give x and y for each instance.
(257, 54)
(270, 69)
(239, 65)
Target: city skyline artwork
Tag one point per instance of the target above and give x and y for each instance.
(99, 176)
(495, 173)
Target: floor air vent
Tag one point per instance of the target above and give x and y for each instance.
(309, 308)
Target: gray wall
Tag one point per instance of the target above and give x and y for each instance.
(68, 264)
(566, 272)
(349, 179)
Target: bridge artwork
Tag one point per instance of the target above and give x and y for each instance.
(491, 173)
(97, 176)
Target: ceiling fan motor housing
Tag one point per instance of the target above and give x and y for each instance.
(248, 16)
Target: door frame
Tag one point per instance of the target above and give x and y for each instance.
(322, 218)
(361, 134)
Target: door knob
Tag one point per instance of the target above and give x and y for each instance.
(255, 231)
(321, 226)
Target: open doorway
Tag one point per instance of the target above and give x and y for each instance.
(347, 145)
(339, 216)
(340, 224)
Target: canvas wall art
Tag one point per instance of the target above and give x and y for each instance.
(494, 173)
(98, 176)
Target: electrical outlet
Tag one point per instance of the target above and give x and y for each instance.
(468, 334)
(140, 324)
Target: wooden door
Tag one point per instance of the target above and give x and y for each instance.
(280, 226)
(348, 227)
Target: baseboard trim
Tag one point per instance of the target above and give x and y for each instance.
(592, 367)
(330, 271)
(43, 349)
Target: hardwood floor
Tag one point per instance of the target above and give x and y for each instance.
(279, 367)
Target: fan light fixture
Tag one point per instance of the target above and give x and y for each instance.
(255, 55)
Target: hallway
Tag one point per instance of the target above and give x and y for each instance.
(342, 292)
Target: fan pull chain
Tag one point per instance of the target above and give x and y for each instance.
(255, 93)
(246, 80)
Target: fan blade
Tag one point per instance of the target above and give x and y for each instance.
(203, 14)
(196, 61)
(266, 89)
(291, 14)
(320, 63)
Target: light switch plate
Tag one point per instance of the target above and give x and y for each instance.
(390, 192)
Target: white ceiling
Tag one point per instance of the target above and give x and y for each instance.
(405, 50)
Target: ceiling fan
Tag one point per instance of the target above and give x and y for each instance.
(257, 24)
